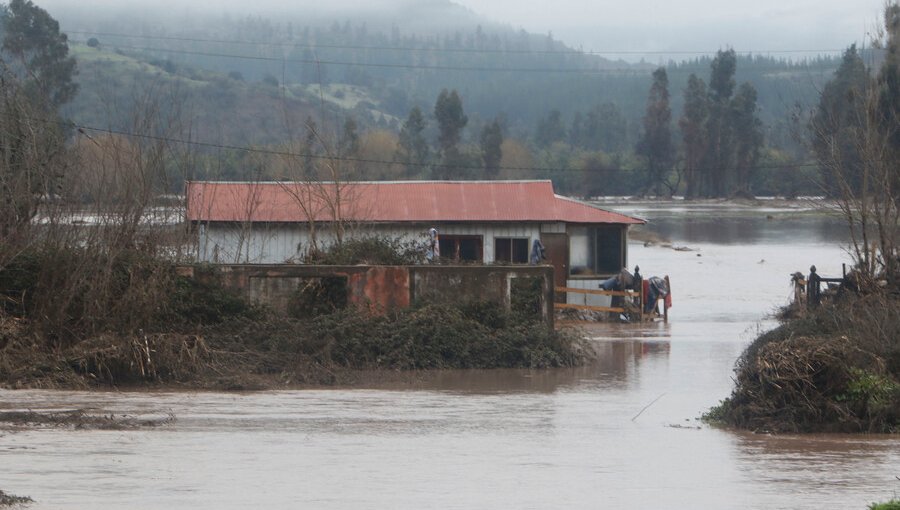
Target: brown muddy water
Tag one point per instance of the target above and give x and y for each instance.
(580, 438)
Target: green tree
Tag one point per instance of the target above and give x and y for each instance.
(311, 149)
(692, 122)
(748, 138)
(656, 143)
(576, 132)
(549, 130)
(35, 79)
(606, 129)
(888, 83)
(719, 133)
(839, 114)
(491, 152)
(412, 150)
(349, 143)
(448, 110)
(860, 156)
(38, 53)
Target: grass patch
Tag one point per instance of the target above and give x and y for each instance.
(893, 504)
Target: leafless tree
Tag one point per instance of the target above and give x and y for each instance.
(862, 164)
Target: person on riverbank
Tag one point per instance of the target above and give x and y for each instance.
(623, 280)
(433, 246)
(656, 289)
(537, 252)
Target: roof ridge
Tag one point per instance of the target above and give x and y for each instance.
(482, 181)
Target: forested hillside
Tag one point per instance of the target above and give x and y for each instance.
(546, 110)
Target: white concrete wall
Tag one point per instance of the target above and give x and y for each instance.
(273, 244)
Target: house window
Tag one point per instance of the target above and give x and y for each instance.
(610, 253)
(511, 250)
(461, 248)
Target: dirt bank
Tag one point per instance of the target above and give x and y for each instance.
(81, 419)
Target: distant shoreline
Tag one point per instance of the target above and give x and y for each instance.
(816, 204)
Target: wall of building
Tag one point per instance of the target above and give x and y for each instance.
(275, 244)
(382, 287)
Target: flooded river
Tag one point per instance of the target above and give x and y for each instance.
(621, 433)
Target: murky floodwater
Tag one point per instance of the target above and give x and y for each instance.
(580, 438)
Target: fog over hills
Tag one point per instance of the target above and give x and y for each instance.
(566, 83)
(674, 28)
(415, 16)
(635, 30)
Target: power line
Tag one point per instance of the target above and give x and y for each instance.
(81, 128)
(571, 52)
(282, 60)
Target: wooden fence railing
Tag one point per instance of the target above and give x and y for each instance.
(808, 290)
(634, 300)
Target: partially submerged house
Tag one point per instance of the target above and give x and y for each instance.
(489, 222)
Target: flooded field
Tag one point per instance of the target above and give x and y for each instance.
(621, 433)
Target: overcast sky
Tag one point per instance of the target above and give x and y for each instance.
(673, 26)
(691, 25)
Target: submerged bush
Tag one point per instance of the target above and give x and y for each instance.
(471, 335)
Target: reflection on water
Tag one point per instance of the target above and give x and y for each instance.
(619, 433)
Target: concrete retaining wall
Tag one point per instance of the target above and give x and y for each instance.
(383, 287)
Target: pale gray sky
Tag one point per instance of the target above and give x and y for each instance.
(600, 25)
(691, 25)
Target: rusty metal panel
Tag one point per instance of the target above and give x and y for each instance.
(385, 287)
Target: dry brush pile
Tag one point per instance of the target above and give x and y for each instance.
(836, 369)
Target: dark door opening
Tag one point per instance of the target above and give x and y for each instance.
(610, 249)
(556, 249)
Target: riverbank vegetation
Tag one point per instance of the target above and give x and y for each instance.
(893, 504)
(10, 499)
(148, 325)
(836, 367)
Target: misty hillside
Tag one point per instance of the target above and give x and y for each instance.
(256, 79)
(401, 57)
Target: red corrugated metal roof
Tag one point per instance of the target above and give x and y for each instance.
(390, 202)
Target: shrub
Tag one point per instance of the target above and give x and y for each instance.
(472, 335)
(893, 504)
(374, 250)
(200, 302)
(318, 296)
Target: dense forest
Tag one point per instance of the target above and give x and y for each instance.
(468, 100)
